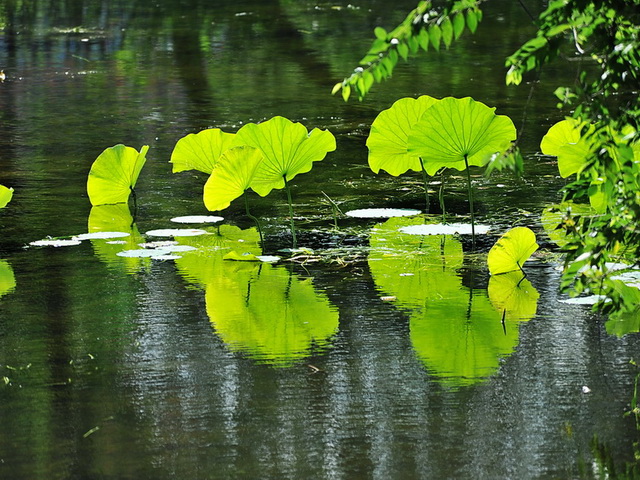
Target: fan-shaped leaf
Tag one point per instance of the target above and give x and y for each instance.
(565, 141)
(389, 134)
(5, 195)
(511, 250)
(114, 174)
(231, 177)
(455, 128)
(288, 150)
(200, 151)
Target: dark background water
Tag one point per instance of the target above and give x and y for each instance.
(113, 372)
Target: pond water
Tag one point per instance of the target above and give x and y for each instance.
(376, 355)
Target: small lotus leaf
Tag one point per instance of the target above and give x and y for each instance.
(511, 250)
(231, 177)
(200, 151)
(565, 141)
(114, 174)
(457, 128)
(387, 141)
(288, 150)
(6, 194)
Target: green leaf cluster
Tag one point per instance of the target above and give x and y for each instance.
(423, 28)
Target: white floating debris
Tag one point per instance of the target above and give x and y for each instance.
(586, 389)
(444, 229)
(268, 258)
(197, 219)
(56, 243)
(176, 232)
(382, 212)
(101, 235)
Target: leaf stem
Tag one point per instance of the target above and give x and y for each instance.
(293, 227)
(470, 194)
(441, 194)
(426, 189)
(246, 207)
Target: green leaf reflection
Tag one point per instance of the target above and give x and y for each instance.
(7, 279)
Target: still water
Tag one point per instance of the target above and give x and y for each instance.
(385, 359)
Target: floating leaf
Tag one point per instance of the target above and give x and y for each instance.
(382, 212)
(457, 128)
(197, 219)
(176, 232)
(114, 174)
(231, 177)
(288, 150)
(5, 195)
(200, 151)
(444, 229)
(511, 250)
(387, 141)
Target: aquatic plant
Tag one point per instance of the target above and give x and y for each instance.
(114, 174)
(6, 194)
(511, 250)
(200, 151)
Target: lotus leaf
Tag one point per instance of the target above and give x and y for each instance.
(114, 174)
(456, 133)
(6, 194)
(232, 176)
(389, 136)
(200, 151)
(7, 278)
(270, 314)
(288, 150)
(566, 141)
(513, 295)
(511, 250)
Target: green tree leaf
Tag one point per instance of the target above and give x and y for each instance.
(114, 174)
(288, 150)
(200, 151)
(454, 128)
(6, 194)
(387, 141)
(511, 250)
(447, 31)
(231, 177)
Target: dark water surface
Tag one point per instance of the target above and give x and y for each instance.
(114, 367)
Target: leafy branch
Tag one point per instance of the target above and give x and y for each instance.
(423, 28)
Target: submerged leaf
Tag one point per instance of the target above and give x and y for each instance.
(200, 151)
(387, 141)
(457, 128)
(511, 250)
(114, 174)
(232, 176)
(288, 150)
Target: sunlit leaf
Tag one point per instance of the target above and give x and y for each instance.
(6, 194)
(288, 150)
(7, 278)
(200, 151)
(565, 141)
(513, 295)
(457, 128)
(231, 177)
(114, 174)
(552, 216)
(511, 250)
(387, 141)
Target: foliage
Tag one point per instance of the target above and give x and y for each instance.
(114, 174)
(200, 151)
(424, 26)
(6, 194)
(511, 250)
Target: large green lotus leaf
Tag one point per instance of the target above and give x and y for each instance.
(460, 339)
(565, 141)
(513, 295)
(114, 174)
(511, 250)
(116, 218)
(205, 264)
(552, 216)
(389, 135)
(455, 128)
(200, 151)
(288, 150)
(7, 279)
(271, 315)
(231, 177)
(411, 267)
(5, 195)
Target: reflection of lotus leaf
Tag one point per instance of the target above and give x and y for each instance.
(461, 338)
(270, 314)
(7, 279)
(116, 218)
(513, 293)
(412, 268)
(206, 263)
